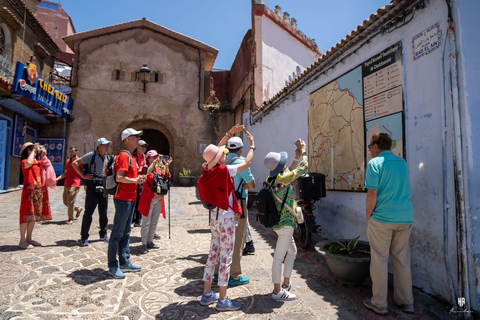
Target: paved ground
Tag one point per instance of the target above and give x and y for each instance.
(61, 280)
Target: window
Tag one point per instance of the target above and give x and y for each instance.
(156, 76)
(137, 76)
(117, 75)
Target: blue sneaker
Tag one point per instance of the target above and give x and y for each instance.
(130, 267)
(208, 298)
(215, 277)
(84, 243)
(116, 273)
(105, 238)
(237, 282)
(227, 305)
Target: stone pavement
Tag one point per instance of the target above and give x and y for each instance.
(62, 280)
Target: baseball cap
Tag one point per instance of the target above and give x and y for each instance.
(142, 143)
(130, 132)
(103, 141)
(234, 143)
(151, 153)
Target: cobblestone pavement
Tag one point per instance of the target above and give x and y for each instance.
(62, 280)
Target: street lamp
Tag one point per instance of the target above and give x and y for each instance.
(144, 76)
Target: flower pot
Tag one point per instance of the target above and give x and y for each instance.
(347, 270)
(185, 181)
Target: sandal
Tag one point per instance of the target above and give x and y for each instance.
(25, 245)
(34, 243)
(69, 221)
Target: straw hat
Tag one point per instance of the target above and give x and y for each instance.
(26, 145)
(212, 155)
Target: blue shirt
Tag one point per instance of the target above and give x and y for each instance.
(388, 174)
(245, 175)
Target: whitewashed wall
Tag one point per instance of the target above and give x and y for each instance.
(428, 149)
(281, 53)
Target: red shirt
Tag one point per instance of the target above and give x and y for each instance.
(142, 162)
(126, 191)
(72, 178)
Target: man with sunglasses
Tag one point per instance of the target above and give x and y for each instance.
(93, 173)
(126, 172)
(390, 219)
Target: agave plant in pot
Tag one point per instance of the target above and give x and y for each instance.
(347, 259)
(185, 177)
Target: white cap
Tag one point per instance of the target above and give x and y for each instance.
(142, 143)
(130, 132)
(234, 143)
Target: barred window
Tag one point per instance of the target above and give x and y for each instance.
(2, 41)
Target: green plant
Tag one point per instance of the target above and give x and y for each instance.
(185, 172)
(347, 248)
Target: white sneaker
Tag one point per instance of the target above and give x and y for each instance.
(283, 295)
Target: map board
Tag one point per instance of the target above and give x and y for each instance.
(344, 114)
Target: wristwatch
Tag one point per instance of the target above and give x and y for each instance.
(252, 147)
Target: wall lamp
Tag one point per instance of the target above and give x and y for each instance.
(144, 76)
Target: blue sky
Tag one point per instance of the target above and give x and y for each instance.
(223, 23)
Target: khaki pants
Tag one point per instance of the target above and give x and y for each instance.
(69, 197)
(390, 240)
(240, 235)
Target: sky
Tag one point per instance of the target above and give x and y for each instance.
(222, 24)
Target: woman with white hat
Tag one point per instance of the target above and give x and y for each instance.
(34, 205)
(280, 178)
(217, 188)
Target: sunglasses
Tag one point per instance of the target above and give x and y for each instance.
(371, 145)
(30, 148)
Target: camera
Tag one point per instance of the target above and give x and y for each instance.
(164, 158)
(99, 189)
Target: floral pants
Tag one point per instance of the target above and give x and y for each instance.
(221, 249)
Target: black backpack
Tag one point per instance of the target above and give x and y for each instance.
(110, 183)
(267, 212)
(160, 184)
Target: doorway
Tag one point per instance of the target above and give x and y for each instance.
(156, 140)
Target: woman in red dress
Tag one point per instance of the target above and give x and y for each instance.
(34, 205)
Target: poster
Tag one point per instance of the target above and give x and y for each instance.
(55, 152)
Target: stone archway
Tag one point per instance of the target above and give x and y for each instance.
(156, 140)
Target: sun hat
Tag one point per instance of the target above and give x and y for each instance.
(130, 132)
(275, 162)
(102, 141)
(212, 155)
(151, 153)
(26, 145)
(142, 143)
(234, 143)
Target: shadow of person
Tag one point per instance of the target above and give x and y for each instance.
(86, 277)
(200, 258)
(10, 248)
(193, 273)
(199, 231)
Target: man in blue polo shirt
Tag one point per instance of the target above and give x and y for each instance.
(243, 181)
(390, 219)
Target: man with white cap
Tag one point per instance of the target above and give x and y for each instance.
(126, 173)
(93, 173)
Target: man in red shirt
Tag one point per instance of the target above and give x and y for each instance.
(126, 171)
(71, 185)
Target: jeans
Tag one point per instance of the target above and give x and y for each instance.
(285, 245)
(92, 199)
(120, 236)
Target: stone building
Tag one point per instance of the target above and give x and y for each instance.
(169, 108)
(25, 116)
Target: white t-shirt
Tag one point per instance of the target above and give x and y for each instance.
(222, 214)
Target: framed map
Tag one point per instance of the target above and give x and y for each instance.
(344, 114)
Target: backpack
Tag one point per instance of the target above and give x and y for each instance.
(267, 212)
(110, 183)
(160, 184)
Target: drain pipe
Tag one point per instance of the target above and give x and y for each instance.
(459, 171)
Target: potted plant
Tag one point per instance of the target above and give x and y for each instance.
(185, 178)
(347, 260)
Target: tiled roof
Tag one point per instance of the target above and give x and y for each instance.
(368, 27)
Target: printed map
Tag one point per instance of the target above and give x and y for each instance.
(336, 132)
(392, 125)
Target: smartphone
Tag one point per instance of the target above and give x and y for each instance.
(297, 143)
(245, 131)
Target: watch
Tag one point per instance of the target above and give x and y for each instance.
(252, 147)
